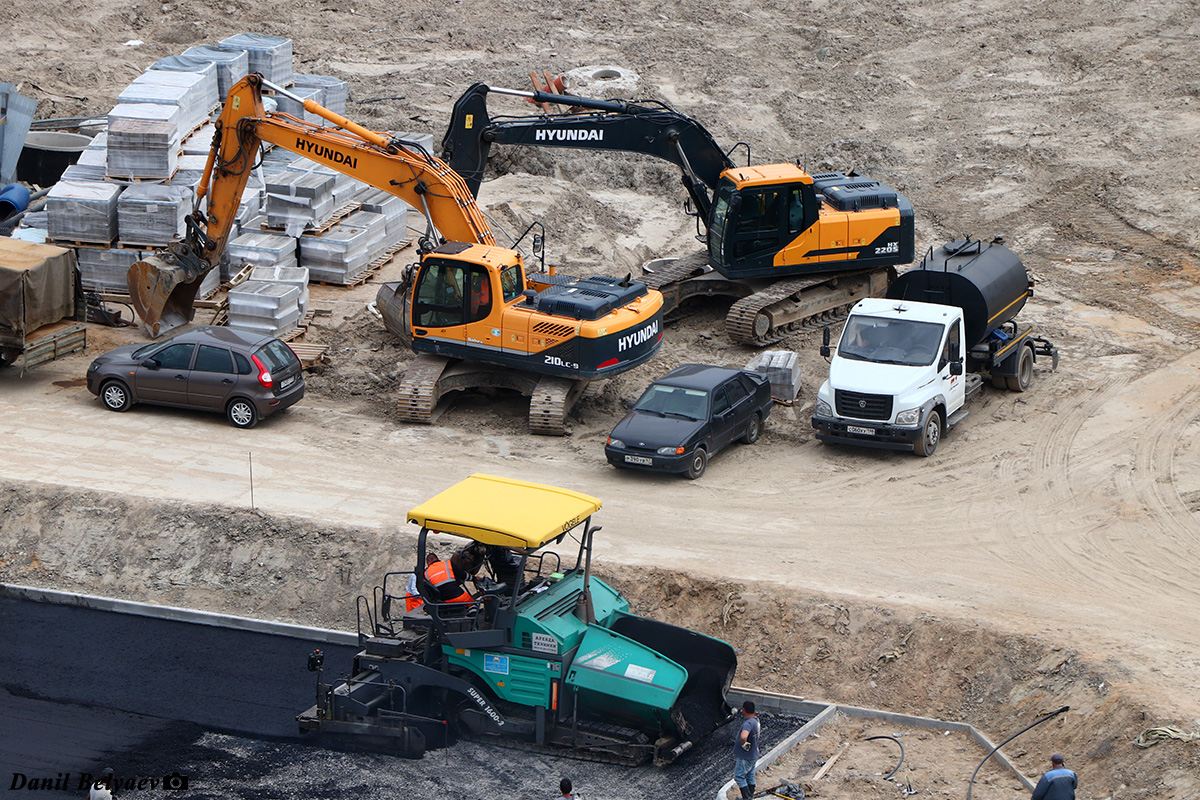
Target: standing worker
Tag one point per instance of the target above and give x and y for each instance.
(1057, 784)
(564, 790)
(745, 751)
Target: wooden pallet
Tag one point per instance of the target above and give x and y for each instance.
(324, 227)
(239, 278)
(371, 270)
(75, 243)
(310, 353)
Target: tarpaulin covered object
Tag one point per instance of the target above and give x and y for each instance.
(37, 287)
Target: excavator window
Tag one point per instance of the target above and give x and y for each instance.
(795, 211)
(512, 282)
(481, 295)
(439, 295)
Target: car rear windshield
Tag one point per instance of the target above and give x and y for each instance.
(276, 355)
(674, 401)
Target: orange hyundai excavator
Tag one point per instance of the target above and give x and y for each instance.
(469, 309)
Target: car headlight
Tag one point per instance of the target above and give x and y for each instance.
(910, 417)
(95, 366)
(670, 451)
(617, 443)
(823, 409)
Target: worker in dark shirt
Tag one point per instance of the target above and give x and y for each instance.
(1056, 784)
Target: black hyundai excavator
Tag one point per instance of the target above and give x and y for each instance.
(792, 248)
(470, 309)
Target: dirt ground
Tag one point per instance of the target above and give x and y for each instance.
(1045, 556)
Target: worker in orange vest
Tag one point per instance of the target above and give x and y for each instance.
(447, 577)
(412, 596)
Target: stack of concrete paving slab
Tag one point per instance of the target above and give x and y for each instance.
(209, 284)
(80, 211)
(231, 65)
(267, 308)
(344, 187)
(106, 270)
(269, 55)
(202, 76)
(262, 249)
(199, 98)
(99, 141)
(343, 253)
(421, 142)
(91, 166)
(299, 200)
(199, 143)
(152, 215)
(392, 208)
(143, 141)
(296, 108)
(333, 91)
(291, 276)
(782, 368)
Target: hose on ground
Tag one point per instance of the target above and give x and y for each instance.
(1051, 715)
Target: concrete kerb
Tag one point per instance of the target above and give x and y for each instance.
(176, 614)
(821, 713)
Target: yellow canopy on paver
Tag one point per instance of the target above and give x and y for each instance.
(505, 511)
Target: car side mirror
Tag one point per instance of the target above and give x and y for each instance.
(956, 368)
(150, 363)
(825, 351)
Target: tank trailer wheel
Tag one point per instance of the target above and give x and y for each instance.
(931, 434)
(1024, 376)
(697, 464)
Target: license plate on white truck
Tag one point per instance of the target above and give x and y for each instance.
(860, 431)
(639, 460)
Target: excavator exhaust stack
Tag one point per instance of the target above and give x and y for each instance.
(162, 288)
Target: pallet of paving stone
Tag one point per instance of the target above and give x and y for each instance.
(333, 91)
(299, 200)
(193, 107)
(143, 142)
(152, 215)
(231, 65)
(82, 212)
(324, 227)
(201, 82)
(269, 55)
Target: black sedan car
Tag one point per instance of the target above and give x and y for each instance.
(246, 376)
(687, 416)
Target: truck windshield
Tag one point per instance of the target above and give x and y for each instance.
(891, 341)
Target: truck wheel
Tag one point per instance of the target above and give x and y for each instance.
(698, 464)
(115, 396)
(241, 413)
(931, 434)
(753, 429)
(1024, 376)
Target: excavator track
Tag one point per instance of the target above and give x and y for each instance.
(550, 403)
(789, 305)
(419, 389)
(667, 272)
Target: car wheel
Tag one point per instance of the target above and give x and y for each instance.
(241, 413)
(1024, 377)
(115, 396)
(697, 464)
(753, 429)
(931, 434)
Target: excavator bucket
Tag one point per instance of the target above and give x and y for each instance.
(162, 291)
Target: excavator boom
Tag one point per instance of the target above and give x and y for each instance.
(163, 286)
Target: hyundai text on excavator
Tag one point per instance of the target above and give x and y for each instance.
(545, 655)
(469, 309)
(793, 248)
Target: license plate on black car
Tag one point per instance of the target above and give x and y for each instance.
(646, 462)
(286, 382)
(860, 431)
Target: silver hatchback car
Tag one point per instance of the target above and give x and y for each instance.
(246, 376)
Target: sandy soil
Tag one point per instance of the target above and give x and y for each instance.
(1067, 513)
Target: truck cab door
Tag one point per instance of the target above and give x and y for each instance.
(953, 386)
